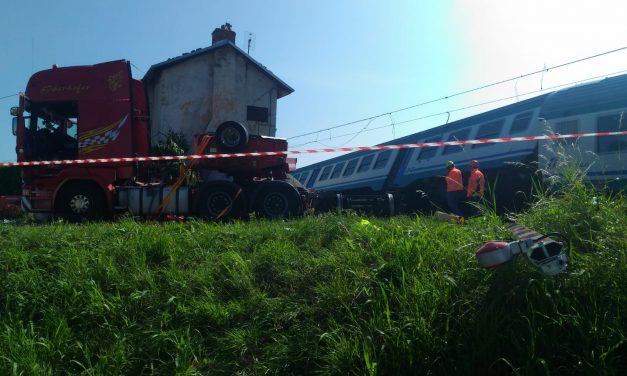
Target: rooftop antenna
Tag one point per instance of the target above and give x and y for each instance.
(251, 41)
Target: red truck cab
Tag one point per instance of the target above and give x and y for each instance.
(82, 112)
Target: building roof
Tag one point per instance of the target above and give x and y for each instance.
(284, 89)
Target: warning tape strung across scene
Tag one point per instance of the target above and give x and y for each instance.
(312, 151)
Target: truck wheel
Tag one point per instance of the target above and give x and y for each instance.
(278, 199)
(232, 136)
(220, 201)
(80, 202)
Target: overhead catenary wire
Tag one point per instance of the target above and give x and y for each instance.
(136, 67)
(9, 96)
(457, 109)
(543, 70)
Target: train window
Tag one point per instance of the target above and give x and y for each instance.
(382, 160)
(567, 127)
(365, 163)
(296, 176)
(304, 177)
(521, 123)
(488, 130)
(457, 136)
(611, 123)
(350, 167)
(429, 151)
(325, 173)
(312, 179)
(337, 170)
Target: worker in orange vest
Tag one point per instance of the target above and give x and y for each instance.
(476, 182)
(454, 188)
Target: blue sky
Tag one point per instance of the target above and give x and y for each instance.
(346, 60)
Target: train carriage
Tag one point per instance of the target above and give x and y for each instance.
(598, 106)
(400, 173)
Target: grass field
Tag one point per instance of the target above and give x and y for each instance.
(331, 294)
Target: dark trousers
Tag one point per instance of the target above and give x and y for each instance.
(471, 206)
(453, 199)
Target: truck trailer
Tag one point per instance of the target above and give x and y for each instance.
(101, 111)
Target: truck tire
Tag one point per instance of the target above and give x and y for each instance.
(220, 201)
(277, 199)
(232, 136)
(80, 202)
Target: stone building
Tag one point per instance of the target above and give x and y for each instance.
(200, 90)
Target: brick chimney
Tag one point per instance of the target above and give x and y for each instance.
(224, 32)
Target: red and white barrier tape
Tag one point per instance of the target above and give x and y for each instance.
(311, 151)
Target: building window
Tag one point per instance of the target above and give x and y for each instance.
(382, 159)
(457, 136)
(567, 127)
(487, 131)
(610, 144)
(350, 167)
(259, 114)
(337, 170)
(365, 163)
(521, 123)
(325, 173)
(429, 151)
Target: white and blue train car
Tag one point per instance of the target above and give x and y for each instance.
(594, 107)
(599, 106)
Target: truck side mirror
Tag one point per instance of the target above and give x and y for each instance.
(14, 111)
(14, 128)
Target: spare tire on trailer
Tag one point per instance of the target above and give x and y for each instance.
(232, 136)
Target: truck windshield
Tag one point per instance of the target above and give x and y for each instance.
(51, 131)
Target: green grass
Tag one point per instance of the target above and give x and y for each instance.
(332, 294)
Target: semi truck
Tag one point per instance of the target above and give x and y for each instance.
(101, 111)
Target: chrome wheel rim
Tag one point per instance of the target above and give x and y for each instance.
(79, 204)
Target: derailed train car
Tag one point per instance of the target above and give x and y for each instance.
(408, 180)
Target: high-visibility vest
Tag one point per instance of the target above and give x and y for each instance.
(454, 180)
(476, 183)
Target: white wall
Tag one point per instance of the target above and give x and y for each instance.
(199, 94)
